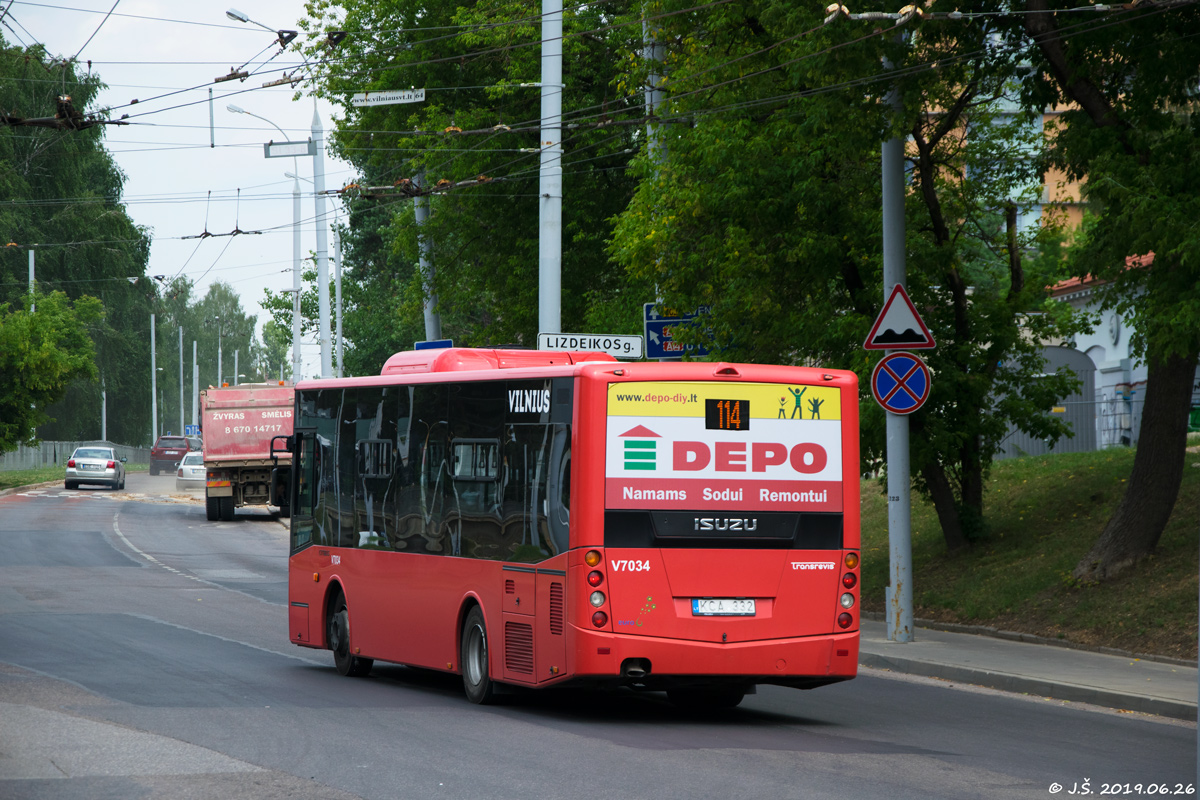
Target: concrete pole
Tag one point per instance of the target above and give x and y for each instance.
(220, 369)
(195, 386)
(433, 320)
(153, 385)
(550, 177)
(322, 244)
(32, 305)
(182, 427)
(654, 53)
(337, 295)
(296, 263)
(899, 593)
(235, 367)
(103, 411)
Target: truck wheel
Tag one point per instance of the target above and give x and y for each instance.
(338, 635)
(212, 508)
(473, 657)
(226, 508)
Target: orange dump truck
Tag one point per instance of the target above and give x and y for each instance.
(238, 424)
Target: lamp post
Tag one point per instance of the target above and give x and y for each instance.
(296, 250)
(153, 384)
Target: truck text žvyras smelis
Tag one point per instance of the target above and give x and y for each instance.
(238, 424)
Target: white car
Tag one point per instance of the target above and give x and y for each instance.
(98, 465)
(191, 473)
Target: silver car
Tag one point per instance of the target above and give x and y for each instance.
(98, 465)
(191, 473)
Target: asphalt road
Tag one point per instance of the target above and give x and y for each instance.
(144, 653)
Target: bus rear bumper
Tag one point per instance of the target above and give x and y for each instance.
(803, 662)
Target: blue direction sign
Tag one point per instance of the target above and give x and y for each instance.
(433, 344)
(661, 329)
(191, 430)
(900, 383)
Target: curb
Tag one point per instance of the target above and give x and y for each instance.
(1040, 687)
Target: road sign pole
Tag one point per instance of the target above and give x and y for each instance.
(899, 593)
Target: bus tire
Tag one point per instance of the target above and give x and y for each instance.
(212, 508)
(707, 697)
(338, 635)
(225, 506)
(473, 656)
(285, 511)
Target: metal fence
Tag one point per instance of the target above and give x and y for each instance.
(54, 454)
(1098, 425)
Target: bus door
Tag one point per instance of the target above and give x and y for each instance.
(301, 608)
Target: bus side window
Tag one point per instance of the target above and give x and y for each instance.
(558, 490)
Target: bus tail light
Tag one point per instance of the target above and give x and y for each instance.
(597, 599)
(592, 558)
(845, 620)
(849, 580)
(847, 600)
(851, 560)
(600, 619)
(595, 578)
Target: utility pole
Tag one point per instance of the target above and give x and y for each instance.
(322, 244)
(195, 386)
(550, 173)
(235, 367)
(153, 385)
(296, 255)
(433, 320)
(337, 295)
(182, 427)
(32, 305)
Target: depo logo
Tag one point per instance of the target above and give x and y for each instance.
(641, 449)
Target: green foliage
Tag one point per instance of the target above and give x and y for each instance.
(474, 124)
(61, 193)
(1045, 513)
(766, 209)
(41, 354)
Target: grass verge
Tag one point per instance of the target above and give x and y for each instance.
(10, 479)
(1043, 514)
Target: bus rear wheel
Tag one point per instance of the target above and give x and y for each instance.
(699, 698)
(473, 656)
(338, 635)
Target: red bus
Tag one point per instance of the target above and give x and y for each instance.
(534, 519)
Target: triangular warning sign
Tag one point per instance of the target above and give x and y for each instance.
(899, 326)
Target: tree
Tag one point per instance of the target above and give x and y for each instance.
(766, 210)
(41, 354)
(62, 200)
(477, 124)
(1130, 131)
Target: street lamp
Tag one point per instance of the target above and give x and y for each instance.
(296, 257)
(285, 37)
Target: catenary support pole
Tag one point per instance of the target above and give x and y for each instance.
(550, 174)
(153, 385)
(103, 411)
(235, 367)
(195, 386)
(337, 296)
(433, 320)
(899, 593)
(322, 244)
(32, 305)
(296, 259)
(182, 426)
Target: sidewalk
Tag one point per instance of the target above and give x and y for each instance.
(1046, 670)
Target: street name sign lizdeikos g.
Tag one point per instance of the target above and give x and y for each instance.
(616, 345)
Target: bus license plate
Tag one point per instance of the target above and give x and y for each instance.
(722, 607)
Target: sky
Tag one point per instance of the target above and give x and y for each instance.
(147, 48)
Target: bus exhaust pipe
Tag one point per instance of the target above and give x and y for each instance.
(635, 668)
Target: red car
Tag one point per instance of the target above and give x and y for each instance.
(167, 452)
